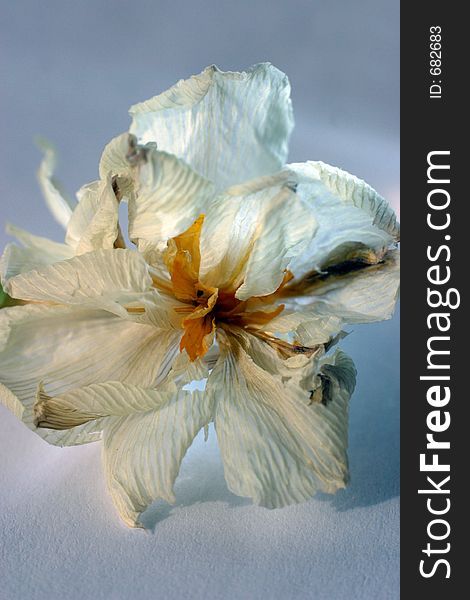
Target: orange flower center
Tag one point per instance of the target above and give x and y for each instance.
(208, 306)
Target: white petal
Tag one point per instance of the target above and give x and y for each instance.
(114, 158)
(309, 326)
(143, 451)
(96, 401)
(66, 347)
(250, 235)
(146, 434)
(295, 368)
(286, 230)
(169, 197)
(363, 296)
(102, 279)
(56, 199)
(94, 222)
(159, 311)
(351, 216)
(88, 200)
(276, 448)
(54, 251)
(229, 127)
(184, 370)
(37, 252)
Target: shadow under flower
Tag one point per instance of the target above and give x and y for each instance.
(201, 480)
(374, 472)
(374, 468)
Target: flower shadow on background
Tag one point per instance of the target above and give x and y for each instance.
(374, 479)
(201, 481)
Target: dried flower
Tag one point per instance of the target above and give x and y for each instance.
(244, 272)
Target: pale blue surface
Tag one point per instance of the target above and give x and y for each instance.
(70, 71)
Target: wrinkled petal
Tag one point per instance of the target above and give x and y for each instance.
(251, 234)
(361, 296)
(276, 448)
(354, 222)
(102, 279)
(95, 401)
(56, 199)
(117, 162)
(95, 221)
(143, 452)
(114, 159)
(146, 434)
(308, 325)
(299, 368)
(68, 347)
(286, 231)
(229, 127)
(185, 371)
(36, 252)
(169, 197)
(157, 309)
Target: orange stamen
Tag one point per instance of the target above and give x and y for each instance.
(183, 259)
(194, 339)
(207, 306)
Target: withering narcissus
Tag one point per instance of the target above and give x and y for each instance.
(242, 270)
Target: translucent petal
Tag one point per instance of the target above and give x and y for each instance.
(169, 197)
(56, 199)
(251, 234)
(103, 279)
(36, 252)
(229, 127)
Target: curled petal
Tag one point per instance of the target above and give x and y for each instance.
(35, 252)
(114, 160)
(94, 222)
(355, 224)
(117, 161)
(365, 295)
(56, 199)
(362, 296)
